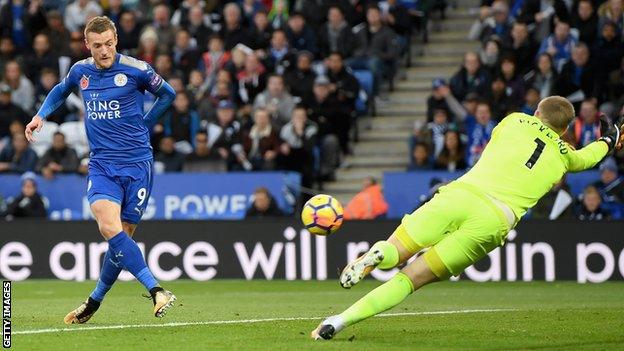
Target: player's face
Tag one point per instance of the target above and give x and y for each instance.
(103, 48)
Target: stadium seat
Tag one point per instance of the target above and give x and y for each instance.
(75, 136)
(365, 103)
(44, 138)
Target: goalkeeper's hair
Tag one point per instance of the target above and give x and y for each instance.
(557, 112)
(100, 24)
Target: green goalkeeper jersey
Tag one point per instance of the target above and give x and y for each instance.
(524, 159)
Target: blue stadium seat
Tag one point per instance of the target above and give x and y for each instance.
(364, 102)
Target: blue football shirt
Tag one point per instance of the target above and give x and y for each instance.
(113, 100)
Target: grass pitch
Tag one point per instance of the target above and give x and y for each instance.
(521, 316)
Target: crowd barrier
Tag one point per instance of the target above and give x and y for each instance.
(174, 195)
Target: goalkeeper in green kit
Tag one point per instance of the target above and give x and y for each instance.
(471, 216)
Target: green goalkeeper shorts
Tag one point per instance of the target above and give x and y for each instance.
(460, 224)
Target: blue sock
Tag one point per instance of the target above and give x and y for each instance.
(111, 267)
(127, 252)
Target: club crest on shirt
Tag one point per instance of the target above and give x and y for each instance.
(120, 79)
(84, 82)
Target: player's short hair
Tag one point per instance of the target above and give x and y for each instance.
(100, 24)
(557, 112)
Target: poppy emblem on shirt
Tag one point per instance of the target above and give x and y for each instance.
(120, 79)
(84, 82)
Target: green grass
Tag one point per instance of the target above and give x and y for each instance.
(557, 316)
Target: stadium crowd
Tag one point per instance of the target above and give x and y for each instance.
(261, 85)
(530, 50)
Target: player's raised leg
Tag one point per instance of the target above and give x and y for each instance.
(384, 254)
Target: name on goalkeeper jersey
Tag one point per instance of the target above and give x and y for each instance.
(99, 109)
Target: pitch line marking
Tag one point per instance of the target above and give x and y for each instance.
(242, 321)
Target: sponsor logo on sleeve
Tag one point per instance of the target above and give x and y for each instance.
(156, 81)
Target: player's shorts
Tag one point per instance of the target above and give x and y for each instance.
(129, 185)
(460, 224)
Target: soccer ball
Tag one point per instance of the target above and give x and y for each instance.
(322, 215)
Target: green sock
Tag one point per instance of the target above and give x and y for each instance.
(390, 252)
(384, 297)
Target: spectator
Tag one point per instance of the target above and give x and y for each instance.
(29, 203)
(203, 158)
(586, 127)
(261, 32)
(252, 80)
(521, 47)
(261, 143)
(590, 208)
(531, 99)
(336, 35)
(544, 77)
(58, 35)
(514, 85)
(182, 123)
(577, 75)
(198, 26)
(16, 127)
(611, 11)
(420, 159)
(276, 100)
(169, 159)
(479, 130)
(615, 85)
(232, 31)
(77, 49)
(376, 48)
(263, 205)
(7, 52)
(76, 14)
(21, 20)
(23, 91)
(278, 15)
(397, 17)
(369, 203)
(300, 36)
(114, 11)
(18, 157)
(59, 158)
(332, 117)
(490, 53)
(161, 24)
(559, 44)
(185, 54)
(501, 102)
(555, 204)
(343, 85)
(603, 54)
(148, 46)
(498, 24)
(433, 132)
(452, 157)
(213, 60)
(471, 78)
(611, 187)
(181, 16)
(299, 138)
(280, 58)
(128, 33)
(301, 79)
(164, 66)
(41, 57)
(250, 8)
(9, 111)
(224, 136)
(585, 21)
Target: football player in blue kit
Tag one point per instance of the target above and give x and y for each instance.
(120, 167)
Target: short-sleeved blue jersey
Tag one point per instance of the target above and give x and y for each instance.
(113, 100)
